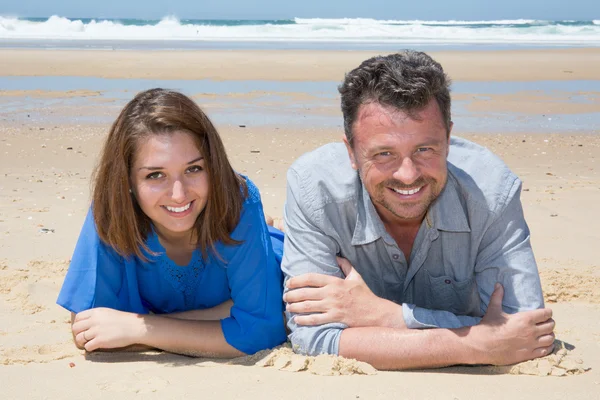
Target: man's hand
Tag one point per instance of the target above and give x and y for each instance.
(105, 328)
(349, 301)
(504, 339)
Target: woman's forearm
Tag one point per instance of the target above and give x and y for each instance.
(192, 338)
(215, 313)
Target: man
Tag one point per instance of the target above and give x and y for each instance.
(435, 266)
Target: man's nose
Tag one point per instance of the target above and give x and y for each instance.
(407, 172)
(179, 191)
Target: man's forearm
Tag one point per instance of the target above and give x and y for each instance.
(392, 349)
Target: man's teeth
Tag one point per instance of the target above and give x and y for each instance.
(179, 209)
(407, 192)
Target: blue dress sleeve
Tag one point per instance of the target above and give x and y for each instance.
(98, 276)
(255, 280)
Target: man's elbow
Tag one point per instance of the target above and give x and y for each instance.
(325, 341)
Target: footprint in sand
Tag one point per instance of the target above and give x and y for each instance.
(139, 383)
(28, 289)
(38, 354)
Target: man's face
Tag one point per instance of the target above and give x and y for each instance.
(401, 160)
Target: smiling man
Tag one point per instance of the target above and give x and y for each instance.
(407, 248)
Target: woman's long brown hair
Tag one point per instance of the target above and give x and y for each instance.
(119, 220)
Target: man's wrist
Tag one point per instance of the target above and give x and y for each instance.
(473, 352)
(389, 315)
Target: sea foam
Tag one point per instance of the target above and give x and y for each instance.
(305, 29)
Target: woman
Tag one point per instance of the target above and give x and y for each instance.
(175, 253)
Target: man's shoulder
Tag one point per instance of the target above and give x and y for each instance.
(324, 175)
(481, 175)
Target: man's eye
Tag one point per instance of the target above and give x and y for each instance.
(384, 154)
(423, 149)
(154, 175)
(194, 168)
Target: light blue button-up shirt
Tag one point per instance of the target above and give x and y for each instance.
(473, 235)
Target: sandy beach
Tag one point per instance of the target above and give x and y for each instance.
(49, 141)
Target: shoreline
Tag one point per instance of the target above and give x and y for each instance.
(293, 65)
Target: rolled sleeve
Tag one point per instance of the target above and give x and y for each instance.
(308, 249)
(422, 318)
(98, 276)
(506, 256)
(256, 320)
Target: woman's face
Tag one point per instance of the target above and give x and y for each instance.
(170, 182)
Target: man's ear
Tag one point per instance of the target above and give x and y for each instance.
(350, 153)
(449, 132)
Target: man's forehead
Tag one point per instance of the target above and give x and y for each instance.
(378, 112)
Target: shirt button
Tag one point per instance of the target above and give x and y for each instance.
(447, 281)
(395, 256)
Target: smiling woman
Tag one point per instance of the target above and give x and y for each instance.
(175, 253)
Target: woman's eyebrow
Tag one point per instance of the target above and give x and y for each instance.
(159, 168)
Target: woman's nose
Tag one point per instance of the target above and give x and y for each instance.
(179, 191)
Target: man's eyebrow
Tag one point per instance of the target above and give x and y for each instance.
(159, 168)
(430, 142)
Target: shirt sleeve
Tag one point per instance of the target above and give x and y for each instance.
(256, 321)
(505, 256)
(308, 249)
(98, 276)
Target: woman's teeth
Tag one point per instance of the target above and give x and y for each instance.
(179, 209)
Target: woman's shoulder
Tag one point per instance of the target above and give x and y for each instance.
(252, 192)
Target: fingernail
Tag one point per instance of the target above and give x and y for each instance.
(497, 285)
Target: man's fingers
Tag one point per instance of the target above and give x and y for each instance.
(546, 327)
(303, 294)
(542, 315)
(313, 319)
(546, 340)
(304, 307)
(542, 351)
(310, 280)
(496, 298)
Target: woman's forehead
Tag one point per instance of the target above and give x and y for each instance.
(177, 146)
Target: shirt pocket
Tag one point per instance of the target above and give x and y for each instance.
(447, 294)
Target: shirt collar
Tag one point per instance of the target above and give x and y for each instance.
(369, 226)
(445, 214)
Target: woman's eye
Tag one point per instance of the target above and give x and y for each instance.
(154, 175)
(194, 168)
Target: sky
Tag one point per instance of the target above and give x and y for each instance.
(284, 9)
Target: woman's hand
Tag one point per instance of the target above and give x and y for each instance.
(105, 328)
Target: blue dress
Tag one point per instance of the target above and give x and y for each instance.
(247, 273)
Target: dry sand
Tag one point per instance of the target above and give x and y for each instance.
(44, 188)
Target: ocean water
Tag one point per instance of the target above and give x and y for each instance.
(171, 32)
(320, 109)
